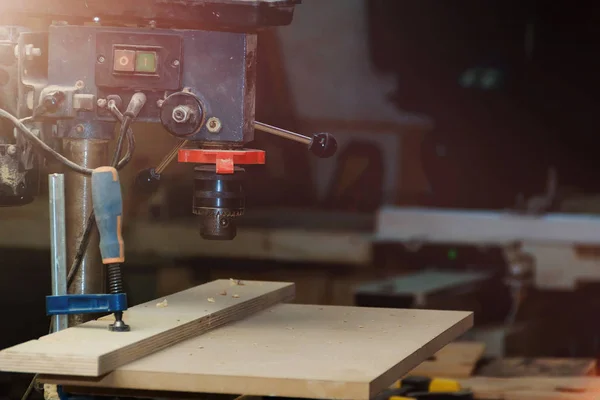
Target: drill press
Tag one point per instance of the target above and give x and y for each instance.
(68, 84)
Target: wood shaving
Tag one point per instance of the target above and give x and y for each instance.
(211, 300)
(236, 282)
(224, 293)
(200, 347)
(360, 326)
(162, 304)
(236, 296)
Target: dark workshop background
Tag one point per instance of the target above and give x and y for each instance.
(462, 104)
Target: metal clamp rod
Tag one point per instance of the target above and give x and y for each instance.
(282, 133)
(58, 246)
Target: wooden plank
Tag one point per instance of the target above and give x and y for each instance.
(520, 367)
(307, 351)
(91, 350)
(533, 388)
(484, 227)
(548, 395)
(456, 360)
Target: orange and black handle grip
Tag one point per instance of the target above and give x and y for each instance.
(108, 209)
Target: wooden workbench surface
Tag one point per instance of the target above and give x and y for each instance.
(295, 351)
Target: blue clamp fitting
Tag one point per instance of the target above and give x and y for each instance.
(86, 304)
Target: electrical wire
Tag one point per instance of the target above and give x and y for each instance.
(19, 124)
(119, 147)
(43, 146)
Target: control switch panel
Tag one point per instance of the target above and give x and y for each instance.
(139, 60)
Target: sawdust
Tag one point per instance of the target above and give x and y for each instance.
(211, 300)
(236, 282)
(223, 293)
(162, 304)
(236, 296)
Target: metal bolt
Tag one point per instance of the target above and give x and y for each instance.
(101, 59)
(79, 84)
(102, 103)
(159, 103)
(79, 129)
(176, 63)
(12, 150)
(182, 114)
(214, 125)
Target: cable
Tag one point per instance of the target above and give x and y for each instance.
(119, 147)
(43, 146)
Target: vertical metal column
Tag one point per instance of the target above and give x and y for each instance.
(58, 245)
(91, 276)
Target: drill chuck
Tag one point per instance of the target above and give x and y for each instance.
(219, 199)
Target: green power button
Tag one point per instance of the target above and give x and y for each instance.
(145, 62)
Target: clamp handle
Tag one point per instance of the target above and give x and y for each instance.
(108, 209)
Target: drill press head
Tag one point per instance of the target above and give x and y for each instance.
(195, 60)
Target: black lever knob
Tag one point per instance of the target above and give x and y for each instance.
(323, 145)
(147, 181)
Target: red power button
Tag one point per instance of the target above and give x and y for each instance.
(124, 61)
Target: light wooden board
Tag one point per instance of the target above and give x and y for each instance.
(547, 388)
(91, 350)
(521, 367)
(432, 225)
(295, 350)
(456, 360)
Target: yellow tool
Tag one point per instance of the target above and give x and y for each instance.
(425, 388)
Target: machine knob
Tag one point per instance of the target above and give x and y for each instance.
(182, 114)
(323, 145)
